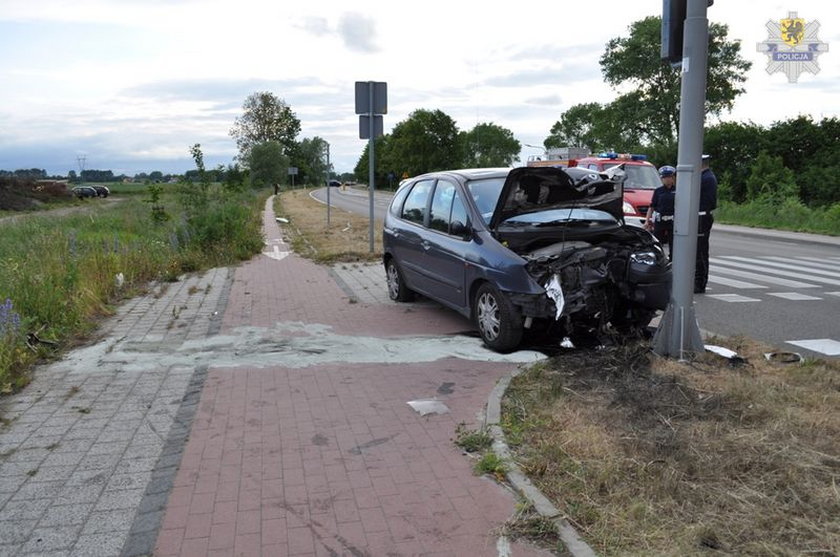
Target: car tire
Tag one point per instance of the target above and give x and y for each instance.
(397, 290)
(497, 319)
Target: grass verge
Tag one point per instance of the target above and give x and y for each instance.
(649, 456)
(347, 239)
(61, 273)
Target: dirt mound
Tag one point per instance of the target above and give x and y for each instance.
(18, 194)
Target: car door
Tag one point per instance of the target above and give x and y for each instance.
(445, 245)
(408, 236)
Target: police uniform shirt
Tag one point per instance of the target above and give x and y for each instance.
(663, 200)
(708, 190)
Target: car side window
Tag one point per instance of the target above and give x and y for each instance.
(460, 221)
(414, 208)
(441, 206)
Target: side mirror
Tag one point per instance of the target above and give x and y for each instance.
(459, 229)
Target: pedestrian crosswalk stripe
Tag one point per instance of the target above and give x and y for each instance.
(732, 298)
(763, 278)
(811, 263)
(786, 265)
(833, 293)
(827, 346)
(793, 296)
(733, 283)
(719, 261)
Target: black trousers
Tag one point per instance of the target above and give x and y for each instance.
(701, 267)
(664, 232)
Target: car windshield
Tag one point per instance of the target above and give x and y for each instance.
(486, 193)
(639, 177)
(560, 217)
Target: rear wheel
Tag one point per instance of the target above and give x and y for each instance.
(498, 320)
(397, 290)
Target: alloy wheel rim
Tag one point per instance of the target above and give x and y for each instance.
(488, 316)
(393, 281)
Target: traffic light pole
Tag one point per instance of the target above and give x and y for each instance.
(678, 334)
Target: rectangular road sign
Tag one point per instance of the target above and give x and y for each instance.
(380, 97)
(364, 126)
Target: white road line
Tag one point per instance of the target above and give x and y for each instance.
(787, 265)
(810, 261)
(732, 298)
(793, 296)
(719, 261)
(763, 278)
(733, 283)
(826, 346)
(833, 293)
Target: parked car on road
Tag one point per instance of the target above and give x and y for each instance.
(525, 251)
(334, 184)
(83, 192)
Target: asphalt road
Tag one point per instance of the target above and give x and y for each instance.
(782, 288)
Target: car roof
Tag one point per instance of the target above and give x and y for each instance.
(469, 173)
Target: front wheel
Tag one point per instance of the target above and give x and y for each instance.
(397, 290)
(498, 320)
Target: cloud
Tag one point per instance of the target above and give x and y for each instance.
(358, 32)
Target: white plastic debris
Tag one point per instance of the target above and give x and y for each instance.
(554, 291)
(282, 220)
(721, 351)
(428, 406)
(119, 280)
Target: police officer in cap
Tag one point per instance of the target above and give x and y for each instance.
(660, 215)
(708, 203)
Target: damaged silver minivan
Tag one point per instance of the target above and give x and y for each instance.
(525, 253)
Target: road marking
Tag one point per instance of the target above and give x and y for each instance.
(793, 296)
(719, 261)
(826, 346)
(811, 262)
(764, 278)
(732, 298)
(733, 283)
(833, 293)
(787, 265)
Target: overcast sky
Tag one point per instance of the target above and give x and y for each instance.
(132, 84)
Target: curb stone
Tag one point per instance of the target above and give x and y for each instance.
(569, 536)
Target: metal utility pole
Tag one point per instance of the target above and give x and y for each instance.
(80, 160)
(328, 184)
(678, 334)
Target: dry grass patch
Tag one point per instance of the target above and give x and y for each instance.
(347, 239)
(649, 456)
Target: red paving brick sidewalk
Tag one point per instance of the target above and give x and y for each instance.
(330, 459)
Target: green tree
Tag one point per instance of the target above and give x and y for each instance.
(489, 145)
(268, 164)
(426, 141)
(577, 127)
(311, 160)
(734, 146)
(265, 117)
(649, 113)
(771, 181)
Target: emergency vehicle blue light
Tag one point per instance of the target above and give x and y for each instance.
(611, 155)
(639, 157)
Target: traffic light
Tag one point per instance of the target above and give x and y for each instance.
(673, 20)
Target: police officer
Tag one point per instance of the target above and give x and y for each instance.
(660, 214)
(708, 203)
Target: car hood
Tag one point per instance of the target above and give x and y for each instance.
(533, 189)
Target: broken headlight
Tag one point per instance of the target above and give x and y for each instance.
(644, 257)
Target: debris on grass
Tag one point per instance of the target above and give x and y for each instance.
(648, 455)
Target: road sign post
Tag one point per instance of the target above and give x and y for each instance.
(371, 103)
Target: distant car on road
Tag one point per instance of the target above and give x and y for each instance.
(101, 191)
(83, 192)
(525, 252)
(335, 184)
